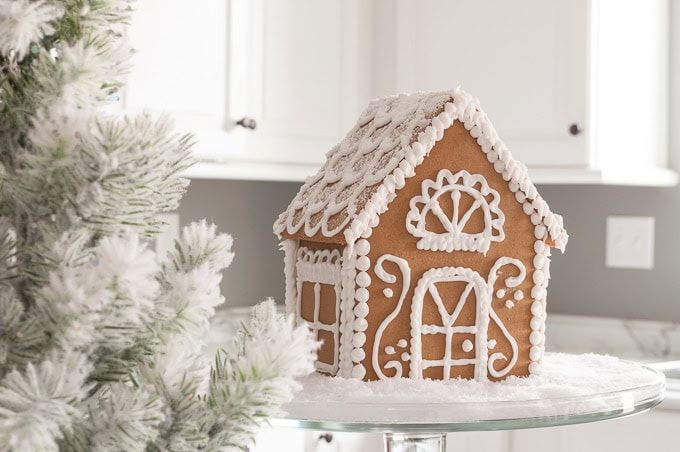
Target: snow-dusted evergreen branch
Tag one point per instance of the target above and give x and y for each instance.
(40, 403)
(100, 343)
(248, 386)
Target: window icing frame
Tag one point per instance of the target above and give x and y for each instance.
(320, 267)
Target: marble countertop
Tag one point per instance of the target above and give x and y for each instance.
(638, 340)
(656, 344)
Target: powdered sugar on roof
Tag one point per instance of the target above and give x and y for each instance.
(391, 138)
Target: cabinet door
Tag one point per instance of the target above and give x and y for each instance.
(525, 60)
(180, 67)
(311, 76)
(300, 69)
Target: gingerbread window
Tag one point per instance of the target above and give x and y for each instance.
(318, 301)
(456, 212)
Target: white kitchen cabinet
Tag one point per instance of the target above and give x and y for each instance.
(299, 69)
(572, 90)
(652, 431)
(525, 60)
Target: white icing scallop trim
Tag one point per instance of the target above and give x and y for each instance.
(384, 131)
(455, 238)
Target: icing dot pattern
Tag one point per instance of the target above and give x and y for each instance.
(361, 296)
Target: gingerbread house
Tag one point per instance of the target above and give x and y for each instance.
(421, 248)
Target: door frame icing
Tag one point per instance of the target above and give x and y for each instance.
(480, 287)
(484, 315)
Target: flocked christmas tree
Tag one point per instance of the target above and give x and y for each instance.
(100, 345)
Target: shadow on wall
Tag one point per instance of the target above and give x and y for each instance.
(580, 284)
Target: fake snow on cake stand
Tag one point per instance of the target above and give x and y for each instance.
(415, 415)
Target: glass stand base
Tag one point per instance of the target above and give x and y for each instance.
(415, 442)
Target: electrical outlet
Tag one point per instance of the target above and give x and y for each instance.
(630, 242)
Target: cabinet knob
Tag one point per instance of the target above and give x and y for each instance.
(575, 129)
(246, 122)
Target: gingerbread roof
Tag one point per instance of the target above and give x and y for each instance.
(392, 137)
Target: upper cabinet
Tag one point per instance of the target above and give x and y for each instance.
(268, 87)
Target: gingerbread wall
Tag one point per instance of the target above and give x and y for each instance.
(456, 151)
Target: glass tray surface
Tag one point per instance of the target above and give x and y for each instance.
(573, 389)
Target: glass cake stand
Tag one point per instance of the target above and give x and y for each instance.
(422, 427)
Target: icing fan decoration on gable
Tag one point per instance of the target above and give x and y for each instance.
(456, 235)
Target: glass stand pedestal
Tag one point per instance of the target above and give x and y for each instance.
(571, 390)
(415, 442)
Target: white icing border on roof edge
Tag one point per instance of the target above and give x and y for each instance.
(467, 110)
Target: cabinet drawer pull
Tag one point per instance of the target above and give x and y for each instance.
(246, 122)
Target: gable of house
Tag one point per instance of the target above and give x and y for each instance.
(391, 138)
(457, 152)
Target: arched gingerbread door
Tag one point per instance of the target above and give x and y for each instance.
(449, 322)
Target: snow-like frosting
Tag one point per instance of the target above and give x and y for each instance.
(390, 139)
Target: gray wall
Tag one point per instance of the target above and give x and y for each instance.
(246, 210)
(580, 282)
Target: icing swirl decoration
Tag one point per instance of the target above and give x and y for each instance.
(390, 278)
(510, 282)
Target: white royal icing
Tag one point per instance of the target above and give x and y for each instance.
(320, 267)
(475, 285)
(349, 340)
(389, 278)
(359, 280)
(363, 172)
(454, 186)
(483, 292)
